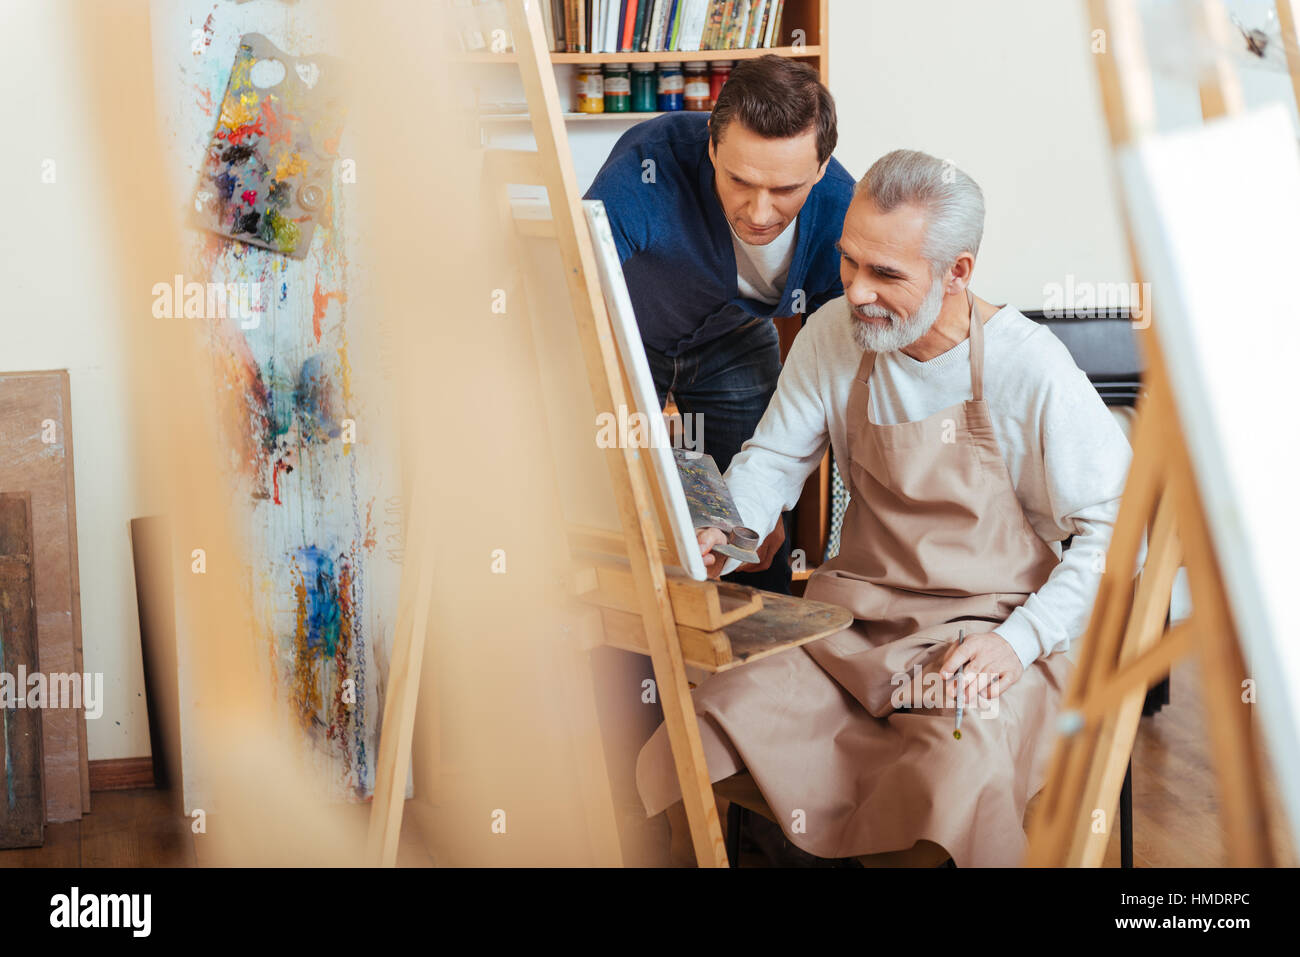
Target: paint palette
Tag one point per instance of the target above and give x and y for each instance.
(710, 504)
(266, 180)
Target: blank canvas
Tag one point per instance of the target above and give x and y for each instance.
(1216, 214)
(586, 492)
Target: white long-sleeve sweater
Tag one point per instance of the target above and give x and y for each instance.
(1067, 456)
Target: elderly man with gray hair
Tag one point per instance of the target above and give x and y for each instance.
(972, 447)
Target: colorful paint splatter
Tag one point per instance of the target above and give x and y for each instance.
(301, 403)
(269, 163)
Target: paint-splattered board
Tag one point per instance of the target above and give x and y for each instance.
(305, 404)
(36, 456)
(267, 177)
(22, 796)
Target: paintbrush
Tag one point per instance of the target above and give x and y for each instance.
(956, 731)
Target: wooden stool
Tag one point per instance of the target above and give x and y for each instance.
(741, 790)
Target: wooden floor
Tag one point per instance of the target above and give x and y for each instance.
(1175, 807)
(140, 828)
(1175, 812)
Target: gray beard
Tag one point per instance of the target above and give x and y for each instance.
(900, 333)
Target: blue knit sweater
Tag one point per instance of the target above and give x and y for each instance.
(675, 244)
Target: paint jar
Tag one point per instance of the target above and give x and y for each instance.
(719, 73)
(591, 89)
(618, 88)
(671, 87)
(644, 98)
(695, 92)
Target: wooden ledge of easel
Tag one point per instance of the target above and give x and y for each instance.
(599, 543)
(756, 624)
(708, 605)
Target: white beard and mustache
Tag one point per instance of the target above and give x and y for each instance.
(900, 333)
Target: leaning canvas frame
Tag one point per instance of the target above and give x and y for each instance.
(628, 336)
(1199, 199)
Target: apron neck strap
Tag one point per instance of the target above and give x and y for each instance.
(976, 351)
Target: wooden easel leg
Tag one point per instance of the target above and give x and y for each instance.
(627, 466)
(1143, 631)
(688, 758)
(1286, 21)
(403, 682)
(1223, 673)
(1075, 766)
(1234, 746)
(1088, 769)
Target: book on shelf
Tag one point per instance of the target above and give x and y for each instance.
(553, 11)
(661, 26)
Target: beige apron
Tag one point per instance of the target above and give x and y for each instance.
(933, 540)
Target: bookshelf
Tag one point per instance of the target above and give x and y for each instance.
(569, 117)
(670, 56)
(803, 25)
(801, 53)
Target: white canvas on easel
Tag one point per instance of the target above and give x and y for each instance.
(587, 496)
(628, 336)
(1216, 216)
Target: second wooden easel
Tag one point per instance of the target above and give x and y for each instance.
(676, 622)
(1126, 647)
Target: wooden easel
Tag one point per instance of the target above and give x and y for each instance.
(1126, 647)
(710, 625)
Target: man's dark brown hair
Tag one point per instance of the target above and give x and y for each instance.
(777, 98)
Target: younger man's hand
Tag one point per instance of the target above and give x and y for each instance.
(767, 549)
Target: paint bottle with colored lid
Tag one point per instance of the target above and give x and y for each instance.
(644, 92)
(591, 89)
(695, 93)
(672, 87)
(719, 73)
(618, 88)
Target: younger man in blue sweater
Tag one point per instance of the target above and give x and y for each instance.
(723, 222)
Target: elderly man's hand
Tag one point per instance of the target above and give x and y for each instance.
(708, 537)
(985, 653)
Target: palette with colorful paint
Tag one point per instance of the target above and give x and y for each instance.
(266, 180)
(711, 506)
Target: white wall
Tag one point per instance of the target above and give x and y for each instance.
(1004, 90)
(55, 271)
(1007, 90)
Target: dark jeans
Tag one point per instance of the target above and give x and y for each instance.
(728, 382)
